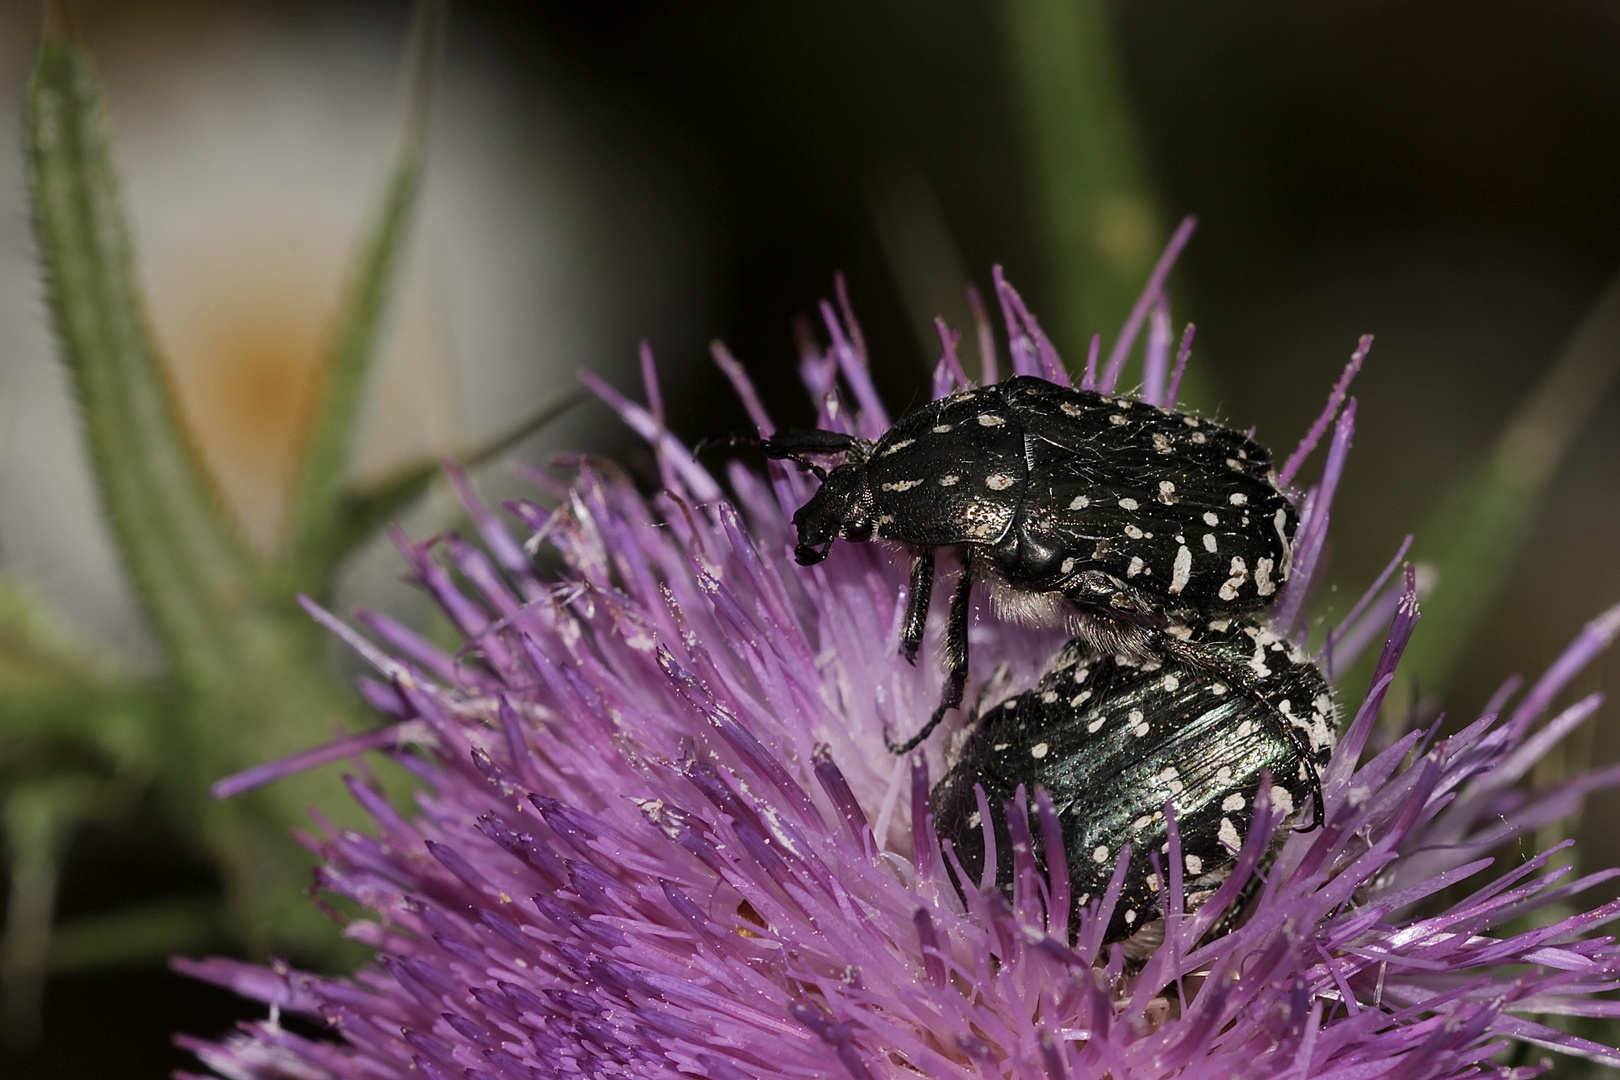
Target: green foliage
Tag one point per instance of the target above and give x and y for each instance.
(1480, 529)
(319, 508)
(178, 551)
(1102, 226)
(246, 678)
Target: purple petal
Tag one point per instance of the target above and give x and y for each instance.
(1150, 293)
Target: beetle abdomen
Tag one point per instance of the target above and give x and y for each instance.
(1112, 741)
(1179, 508)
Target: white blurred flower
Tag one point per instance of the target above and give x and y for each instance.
(251, 146)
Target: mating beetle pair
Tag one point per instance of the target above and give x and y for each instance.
(1151, 536)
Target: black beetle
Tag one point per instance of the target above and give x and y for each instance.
(1101, 514)
(1112, 739)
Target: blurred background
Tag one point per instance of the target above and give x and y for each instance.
(1445, 176)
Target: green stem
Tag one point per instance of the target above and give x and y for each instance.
(38, 816)
(1103, 226)
(316, 508)
(1480, 529)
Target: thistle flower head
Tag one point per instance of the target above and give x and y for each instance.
(660, 835)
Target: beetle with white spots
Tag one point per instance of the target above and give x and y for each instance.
(1147, 734)
(1043, 489)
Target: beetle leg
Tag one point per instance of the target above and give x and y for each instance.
(922, 588)
(794, 446)
(956, 656)
(798, 446)
(1318, 811)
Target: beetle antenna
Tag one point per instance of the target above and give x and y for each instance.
(726, 438)
(775, 449)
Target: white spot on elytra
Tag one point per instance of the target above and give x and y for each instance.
(1240, 573)
(1116, 419)
(1209, 542)
(975, 820)
(1228, 835)
(1161, 444)
(1217, 688)
(895, 448)
(1171, 683)
(1142, 822)
(1038, 751)
(1167, 492)
(1232, 803)
(1211, 518)
(998, 481)
(990, 420)
(1067, 567)
(1101, 854)
(1194, 864)
(1237, 498)
(940, 429)
(1092, 728)
(949, 480)
(1223, 775)
(1282, 798)
(1079, 699)
(1135, 568)
(1049, 697)
(1079, 502)
(901, 485)
(1127, 504)
(1198, 437)
(1000, 746)
(1262, 577)
(1130, 917)
(1245, 729)
(1234, 463)
(1180, 570)
(1070, 408)
(1133, 532)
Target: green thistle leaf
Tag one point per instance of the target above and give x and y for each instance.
(317, 507)
(1476, 536)
(184, 560)
(1104, 227)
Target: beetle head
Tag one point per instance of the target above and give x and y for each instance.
(841, 507)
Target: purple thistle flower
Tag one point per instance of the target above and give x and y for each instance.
(660, 835)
